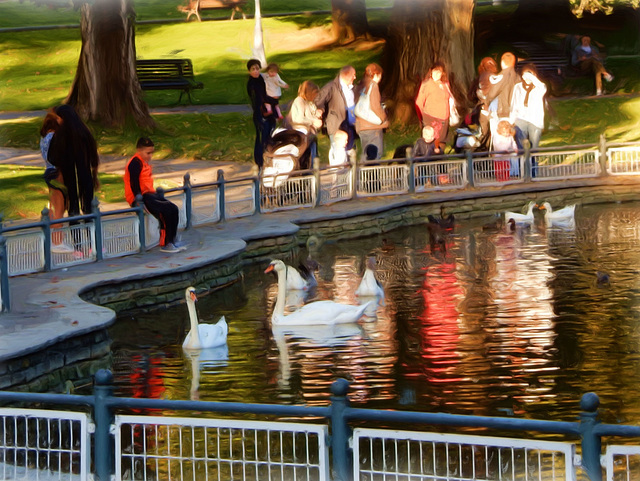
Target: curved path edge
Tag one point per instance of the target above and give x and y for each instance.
(48, 307)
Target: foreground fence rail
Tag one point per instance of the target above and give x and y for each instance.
(323, 443)
(31, 246)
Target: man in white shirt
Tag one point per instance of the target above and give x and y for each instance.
(336, 100)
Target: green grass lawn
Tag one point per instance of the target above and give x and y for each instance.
(25, 194)
(37, 68)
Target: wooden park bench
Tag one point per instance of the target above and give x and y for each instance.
(194, 7)
(167, 74)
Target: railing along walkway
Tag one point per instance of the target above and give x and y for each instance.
(27, 247)
(121, 438)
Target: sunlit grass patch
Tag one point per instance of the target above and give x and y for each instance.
(25, 194)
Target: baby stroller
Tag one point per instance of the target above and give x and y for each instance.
(287, 151)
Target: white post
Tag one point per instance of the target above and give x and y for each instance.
(258, 43)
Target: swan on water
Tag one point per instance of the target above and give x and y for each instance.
(201, 335)
(318, 312)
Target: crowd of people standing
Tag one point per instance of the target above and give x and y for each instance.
(347, 110)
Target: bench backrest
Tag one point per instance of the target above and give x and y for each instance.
(213, 4)
(163, 69)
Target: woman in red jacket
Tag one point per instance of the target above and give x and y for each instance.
(432, 103)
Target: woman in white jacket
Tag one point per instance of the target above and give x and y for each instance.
(527, 107)
(304, 116)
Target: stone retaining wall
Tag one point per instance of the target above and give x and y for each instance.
(79, 357)
(52, 369)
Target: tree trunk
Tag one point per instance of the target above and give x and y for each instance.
(421, 33)
(106, 87)
(349, 19)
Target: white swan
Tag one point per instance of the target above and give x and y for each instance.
(318, 312)
(370, 286)
(203, 336)
(564, 216)
(521, 218)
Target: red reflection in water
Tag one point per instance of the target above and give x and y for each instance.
(439, 331)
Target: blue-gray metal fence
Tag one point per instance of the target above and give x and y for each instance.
(291, 442)
(114, 233)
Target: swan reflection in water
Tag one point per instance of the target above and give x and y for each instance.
(304, 340)
(213, 357)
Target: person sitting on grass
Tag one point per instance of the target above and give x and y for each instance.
(138, 179)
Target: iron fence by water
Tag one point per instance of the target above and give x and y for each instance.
(40, 444)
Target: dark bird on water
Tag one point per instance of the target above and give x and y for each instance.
(445, 222)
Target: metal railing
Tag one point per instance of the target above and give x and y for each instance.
(109, 234)
(36, 443)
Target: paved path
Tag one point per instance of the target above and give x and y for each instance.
(171, 170)
(47, 306)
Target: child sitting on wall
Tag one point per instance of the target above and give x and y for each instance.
(338, 152)
(504, 141)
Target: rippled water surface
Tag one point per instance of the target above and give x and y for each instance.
(497, 323)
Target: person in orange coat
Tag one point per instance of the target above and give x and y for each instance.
(432, 102)
(138, 179)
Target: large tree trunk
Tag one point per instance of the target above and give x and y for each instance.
(106, 88)
(349, 19)
(423, 32)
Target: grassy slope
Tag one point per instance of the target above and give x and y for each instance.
(24, 193)
(296, 43)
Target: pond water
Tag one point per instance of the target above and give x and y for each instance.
(496, 323)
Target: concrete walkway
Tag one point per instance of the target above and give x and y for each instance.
(47, 308)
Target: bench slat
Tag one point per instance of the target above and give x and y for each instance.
(167, 74)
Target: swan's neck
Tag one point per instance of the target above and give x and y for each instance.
(278, 310)
(193, 318)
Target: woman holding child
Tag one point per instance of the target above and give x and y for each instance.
(371, 119)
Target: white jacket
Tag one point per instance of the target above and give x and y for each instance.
(534, 111)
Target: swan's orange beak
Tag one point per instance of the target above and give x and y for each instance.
(194, 298)
(541, 207)
(269, 269)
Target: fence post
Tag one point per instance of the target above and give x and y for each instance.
(469, 155)
(257, 193)
(44, 217)
(222, 201)
(527, 160)
(4, 280)
(340, 431)
(103, 418)
(139, 206)
(603, 155)
(95, 210)
(187, 198)
(412, 172)
(354, 177)
(316, 174)
(591, 443)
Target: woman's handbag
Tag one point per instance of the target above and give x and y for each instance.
(363, 108)
(454, 117)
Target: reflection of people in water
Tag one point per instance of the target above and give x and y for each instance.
(519, 333)
(439, 323)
